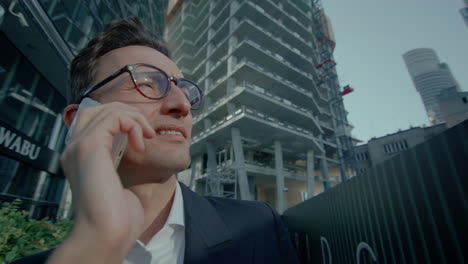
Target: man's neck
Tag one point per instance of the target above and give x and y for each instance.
(156, 199)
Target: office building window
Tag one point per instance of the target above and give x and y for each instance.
(30, 106)
(395, 147)
(73, 20)
(362, 156)
(28, 102)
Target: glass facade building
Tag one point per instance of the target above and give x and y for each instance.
(38, 40)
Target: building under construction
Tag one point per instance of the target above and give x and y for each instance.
(273, 127)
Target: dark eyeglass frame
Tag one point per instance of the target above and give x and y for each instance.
(129, 68)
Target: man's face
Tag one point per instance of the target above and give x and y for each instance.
(166, 152)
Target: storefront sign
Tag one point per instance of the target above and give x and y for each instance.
(16, 145)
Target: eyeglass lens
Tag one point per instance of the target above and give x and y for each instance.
(155, 84)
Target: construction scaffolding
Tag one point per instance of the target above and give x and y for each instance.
(328, 81)
(221, 178)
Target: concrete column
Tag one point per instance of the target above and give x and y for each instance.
(211, 19)
(232, 62)
(206, 102)
(196, 169)
(182, 14)
(249, 156)
(234, 6)
(310, 174)
(240, 164)
(212, 179)
(206, 123)
(211, 33)
(233, 23)
(208, 66)
(231, 107)
(65, 209)
(209, 49)
(231, 85)
(53, 144)
(232, 43)
(208, 86)
(212, 5)
(280, 197)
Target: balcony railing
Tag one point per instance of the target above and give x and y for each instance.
(307, 16)
(285, 81)
(280, 24)
(253, 113)
(292, 17)
(261, 92)
(273, 36)
(257, 89)
(279, 58)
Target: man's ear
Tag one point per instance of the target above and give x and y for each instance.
(69, 113)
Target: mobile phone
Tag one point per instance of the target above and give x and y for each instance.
(119, 143)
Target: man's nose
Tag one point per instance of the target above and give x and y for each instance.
(176, 102)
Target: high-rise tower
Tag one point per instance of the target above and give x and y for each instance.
(273, 127)
(430, 77)
(464, 12)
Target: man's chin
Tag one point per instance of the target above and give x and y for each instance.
(169, 164)
(135, 173)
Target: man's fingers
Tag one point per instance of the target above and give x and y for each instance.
(146, 129)
(135, 138)
(116, 117)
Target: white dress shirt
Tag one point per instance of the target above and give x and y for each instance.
(168, 245)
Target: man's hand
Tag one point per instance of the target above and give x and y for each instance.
(109, 219)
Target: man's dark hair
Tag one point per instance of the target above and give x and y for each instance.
(117, 34)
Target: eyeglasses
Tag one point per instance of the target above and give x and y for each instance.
(153, 83)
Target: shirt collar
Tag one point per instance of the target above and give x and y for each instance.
(175, 218)
(176, 215)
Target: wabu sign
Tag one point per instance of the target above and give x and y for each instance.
(16, 143)
(18, 146)
(412, 208)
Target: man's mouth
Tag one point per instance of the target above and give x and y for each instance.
(169, 132)
(170, 129)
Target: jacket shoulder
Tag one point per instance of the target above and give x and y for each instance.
(38, 258)
(240, 214)
(226, 205)
(258, 221)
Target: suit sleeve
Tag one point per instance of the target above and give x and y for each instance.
(288, 254)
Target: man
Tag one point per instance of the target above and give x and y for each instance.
(141, 213)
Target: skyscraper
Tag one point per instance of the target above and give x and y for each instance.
(273, 123)
(464, 12)
(430, 77)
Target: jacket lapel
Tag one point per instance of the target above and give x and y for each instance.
(204, 228)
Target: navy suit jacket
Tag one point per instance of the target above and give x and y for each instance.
(219, 230)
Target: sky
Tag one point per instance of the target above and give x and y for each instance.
(372, 36)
